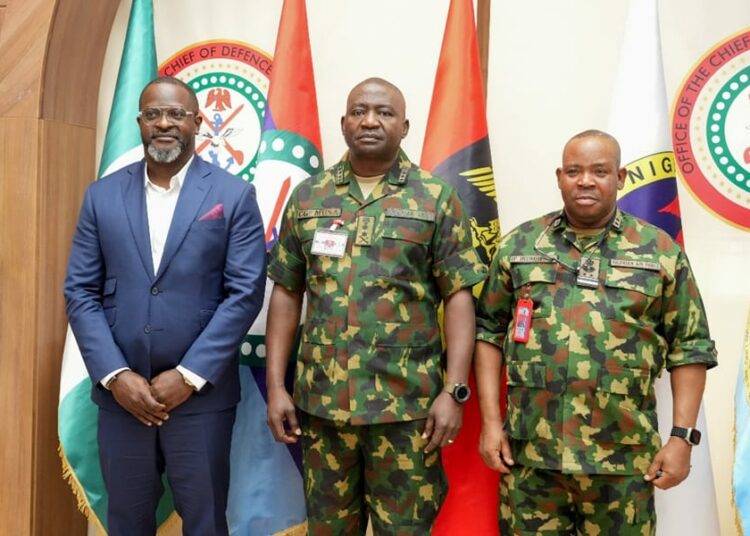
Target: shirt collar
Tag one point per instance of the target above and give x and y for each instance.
(176, 181)
(397, 175)
(560, 221)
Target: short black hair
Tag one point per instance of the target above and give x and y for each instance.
(175, 82)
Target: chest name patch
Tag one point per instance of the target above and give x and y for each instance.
(627, 263)
(422, 215)
(318, 213)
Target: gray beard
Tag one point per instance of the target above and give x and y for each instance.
(165, 156)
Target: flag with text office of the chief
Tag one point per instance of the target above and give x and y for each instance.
(77, 414)
(639, 120)
(457, 148)
(741, 469)
(266, 493)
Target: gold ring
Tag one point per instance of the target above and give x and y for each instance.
(450, 441)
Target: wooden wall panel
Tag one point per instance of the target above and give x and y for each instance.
(74, 62)
(23, 43)
(18, 271)
(50, 68)
(66, 168)
(3, 6)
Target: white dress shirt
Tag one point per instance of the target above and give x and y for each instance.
(160, 206)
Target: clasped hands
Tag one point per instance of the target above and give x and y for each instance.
(150, 403)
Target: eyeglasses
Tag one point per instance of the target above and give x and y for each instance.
(175, 116)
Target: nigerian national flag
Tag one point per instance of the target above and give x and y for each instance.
(77, 414)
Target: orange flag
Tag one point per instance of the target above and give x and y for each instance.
(457, 148)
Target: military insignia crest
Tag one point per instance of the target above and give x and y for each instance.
(711, 130)
(231, 81)
(650, 192)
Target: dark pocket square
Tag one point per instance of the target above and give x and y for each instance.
(216, 213)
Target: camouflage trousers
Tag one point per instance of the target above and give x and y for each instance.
(379, 470)
(537, 501)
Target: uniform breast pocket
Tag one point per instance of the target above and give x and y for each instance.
(631, 292)
(409, 229)
(535, 282)
(307, 228)
(321, 268)
(406, 247)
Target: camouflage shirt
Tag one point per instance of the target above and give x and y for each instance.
(371, 348)
(581, 390)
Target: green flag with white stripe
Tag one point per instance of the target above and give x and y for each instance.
(77, 414)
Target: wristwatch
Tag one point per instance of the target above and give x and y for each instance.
(691, 435)
(459, 391)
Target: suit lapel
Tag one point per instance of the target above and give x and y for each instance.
(134, 195)
(194, 191)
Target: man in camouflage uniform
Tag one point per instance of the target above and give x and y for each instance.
(376, 244)
(586, 306)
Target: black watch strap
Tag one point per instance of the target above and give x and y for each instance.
(691, 435)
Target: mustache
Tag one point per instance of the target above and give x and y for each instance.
(166, 156)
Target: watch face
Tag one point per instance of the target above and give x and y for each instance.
(461, 393)
(695, 437)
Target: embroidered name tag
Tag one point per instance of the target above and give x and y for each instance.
(643, 265)
(530, 259)
(410, 214)
(318, 213)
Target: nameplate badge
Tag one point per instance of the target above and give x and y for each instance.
(627, 263)
(329, 243)
(304, 214)
(422, 215)
(530, 259)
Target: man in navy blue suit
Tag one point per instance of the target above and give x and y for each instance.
(166, 274)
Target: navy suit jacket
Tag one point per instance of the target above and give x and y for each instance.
(195, 310)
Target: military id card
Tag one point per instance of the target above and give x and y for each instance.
(329, 243)
(524, 312)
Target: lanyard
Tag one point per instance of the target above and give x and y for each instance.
(588, 268)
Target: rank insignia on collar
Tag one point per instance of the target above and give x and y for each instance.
(617, 223)
(339, 179)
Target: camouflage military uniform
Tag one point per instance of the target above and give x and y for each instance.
(581, 391)
(402, 486)
(371, 348)
(550, 502)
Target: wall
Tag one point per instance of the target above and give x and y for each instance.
(49, 81)
(551, 74)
